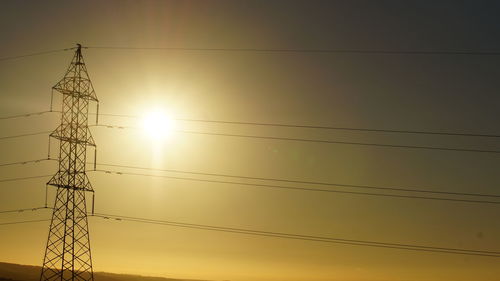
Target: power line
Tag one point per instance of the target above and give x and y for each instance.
(23, 210)
(266, 179)
(344, 142)
(270, 124)
(24, 162)
(462, 134)
(282, 235)
(318, 141)
(288, 139)
(25, 115)
(276, 51)
(342, 128)
(116, 115)
(35, 54)
(25, 135)
(298, 51)
(20, 222)
(25, 178)
(304, 188)
(262, 178)
(301, 182)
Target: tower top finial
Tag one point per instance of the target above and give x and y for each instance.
(79, 46)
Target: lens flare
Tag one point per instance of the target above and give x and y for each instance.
(158, 125)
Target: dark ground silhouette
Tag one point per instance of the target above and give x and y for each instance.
(18, 272)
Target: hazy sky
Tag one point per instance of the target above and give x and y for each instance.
(412, 92)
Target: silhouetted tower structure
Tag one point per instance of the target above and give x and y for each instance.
(67, 256)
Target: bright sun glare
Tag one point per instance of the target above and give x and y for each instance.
(158, 125)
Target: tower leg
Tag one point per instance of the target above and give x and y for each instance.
(67, 255)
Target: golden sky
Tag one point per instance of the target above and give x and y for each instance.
(434, 93)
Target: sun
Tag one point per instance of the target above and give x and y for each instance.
(158, 125)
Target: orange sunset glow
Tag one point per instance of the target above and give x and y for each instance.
(249, 140)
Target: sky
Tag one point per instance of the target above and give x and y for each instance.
(451, 93)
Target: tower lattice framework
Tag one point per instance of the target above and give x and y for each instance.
(67, 255)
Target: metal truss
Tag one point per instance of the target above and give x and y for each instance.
(67, 255)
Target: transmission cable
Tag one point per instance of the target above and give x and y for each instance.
(281, 235)
(251, 178)
(301, 188)
(343, 142)
(23, 210)
(21, 222)
(24, 162)
(25, 135)
(341, 128)
(287, 139)
(268, 124)
(297, 181)
(317, 140)
(305, 237)
(35, 54)
(299, 50)
(26, 115)
(279, 180)
(25, 178)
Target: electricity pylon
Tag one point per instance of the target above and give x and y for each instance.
(67, 255)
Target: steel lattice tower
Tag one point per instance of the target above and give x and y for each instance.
(67, 255)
